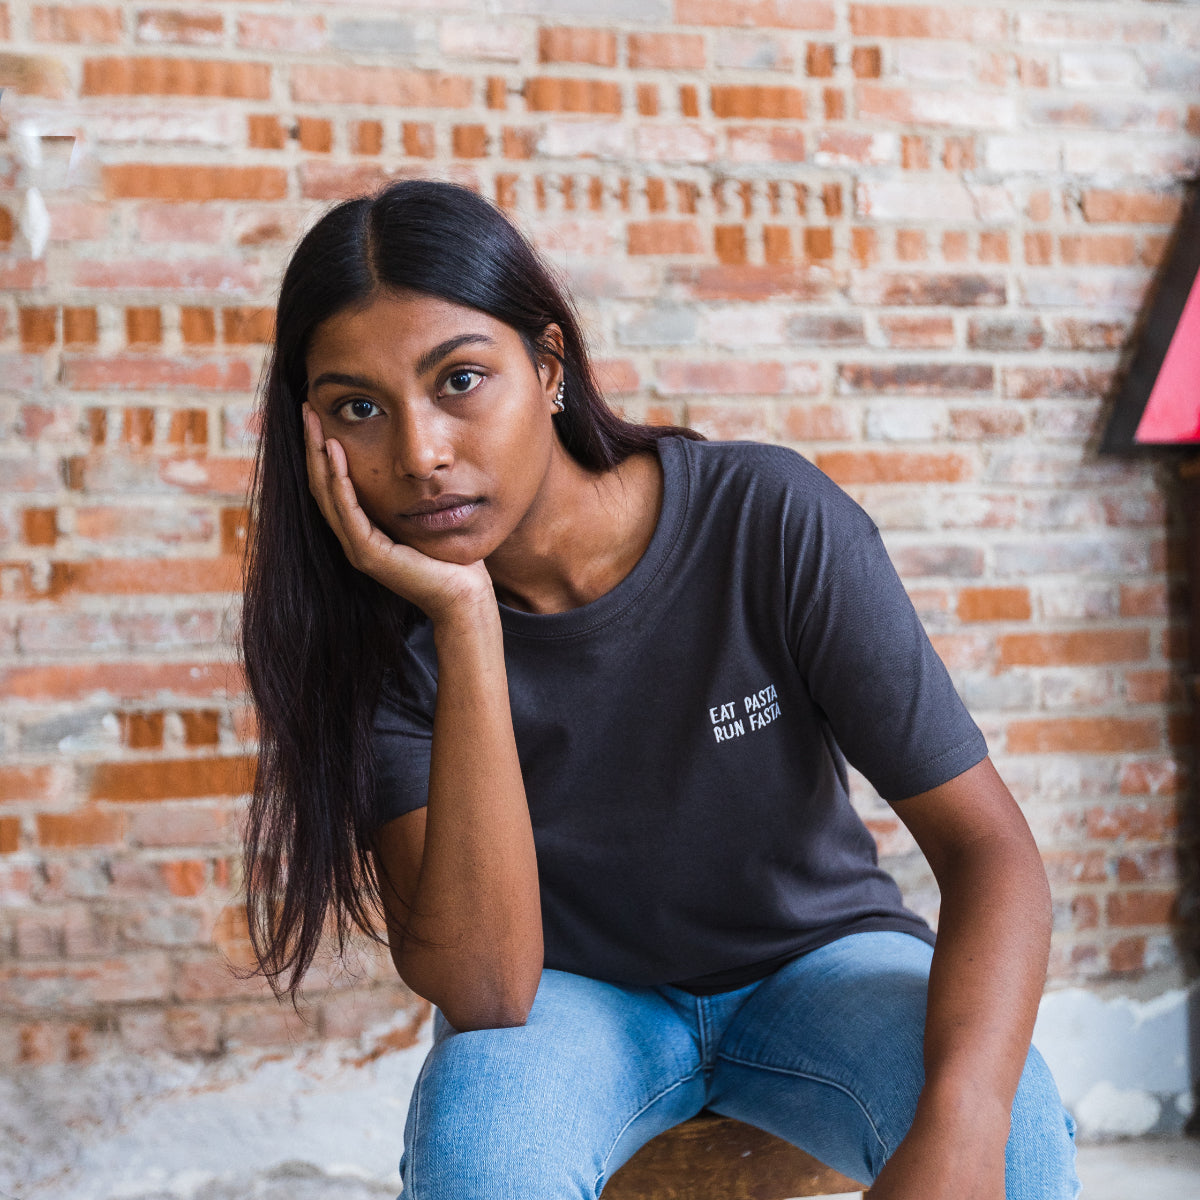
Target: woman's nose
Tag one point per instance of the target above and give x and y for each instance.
(421, 445)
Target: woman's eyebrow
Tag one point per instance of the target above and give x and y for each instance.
(432, 357)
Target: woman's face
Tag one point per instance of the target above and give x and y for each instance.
(446, 424)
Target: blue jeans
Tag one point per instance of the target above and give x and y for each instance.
(825, 1053)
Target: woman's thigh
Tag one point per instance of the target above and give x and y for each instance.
(551, 1108)
(828, 1054)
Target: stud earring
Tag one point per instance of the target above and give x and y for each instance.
(560, 405)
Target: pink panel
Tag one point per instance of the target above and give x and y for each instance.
(1172, 412)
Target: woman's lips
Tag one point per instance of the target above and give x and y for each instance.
(444, 513)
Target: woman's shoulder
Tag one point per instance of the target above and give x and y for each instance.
(771, 478)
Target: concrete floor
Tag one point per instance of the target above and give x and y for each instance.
(316, 1124)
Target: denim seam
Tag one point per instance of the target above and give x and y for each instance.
(745, 1062)
(649, 1104)
(411, 1193)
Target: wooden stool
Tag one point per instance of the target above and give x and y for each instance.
(712, 1157)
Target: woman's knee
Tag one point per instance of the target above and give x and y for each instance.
(1040, 1154)
(479, 1125)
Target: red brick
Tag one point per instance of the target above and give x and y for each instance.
(866, 62)
(469, 141)
(332, 180)
(730, 421)
(169, 181)
(647, 103)
(1154, 777)
(265, 132)
(86, 827)
(171, 26)
(917, 333)
(38, 327)
(758, 102)
(185, 877)
(201, 727)
(668, 51)
(39, 526)
(1131, 208)
(994, 604)
(179, 824)
(1083, 735)
(25, 783)
(894, 466)
(665, 237)
(689, 100)
(120, 680)
(84, 24)
(35, 75)
(393, 86)
(197, 326)
(1097, 250)
(171, 779)
(248, 326)
(966, 23)
(751, 282)
(10, 835)
(257, 31)
(572, 43)
(777, 244)
(143, 326)
(366, 137)
(915, 379)
(151, 576)
(915, 151)
(315, 135)
(418, 139)
(152, 373)
(1074, 649)
(1127, 955)
(769, 143)
(729, 243)
(6, 227)
(1140, 908)
(721, 377)
(993, 247)
(930, 289)
(769, 14)
(816, 422)
(557, 94)
(232, 80)
(497, 93)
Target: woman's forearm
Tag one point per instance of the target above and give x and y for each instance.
(988, 972)
(986, 980)
(476, 900)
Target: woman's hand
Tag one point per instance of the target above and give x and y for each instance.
(442, 590)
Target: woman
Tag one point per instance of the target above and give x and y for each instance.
(568, 698)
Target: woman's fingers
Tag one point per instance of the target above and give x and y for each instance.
(353, 526)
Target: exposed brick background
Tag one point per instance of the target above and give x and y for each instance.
(909, 240)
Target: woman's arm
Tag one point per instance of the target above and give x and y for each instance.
(467, 867)
(988, 971)
(467, 872)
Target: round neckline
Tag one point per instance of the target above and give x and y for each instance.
(604, 609)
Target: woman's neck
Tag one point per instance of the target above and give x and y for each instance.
(585, 537)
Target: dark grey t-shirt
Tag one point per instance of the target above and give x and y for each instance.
(682, 737)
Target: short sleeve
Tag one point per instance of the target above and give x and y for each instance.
(871, 669)
(402, 734)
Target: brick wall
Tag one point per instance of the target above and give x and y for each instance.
(909, 241)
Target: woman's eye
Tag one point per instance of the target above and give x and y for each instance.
(458, 383)
(359, 410)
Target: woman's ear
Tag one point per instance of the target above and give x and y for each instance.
(551, 341)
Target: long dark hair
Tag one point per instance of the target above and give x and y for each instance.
(317, 635)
